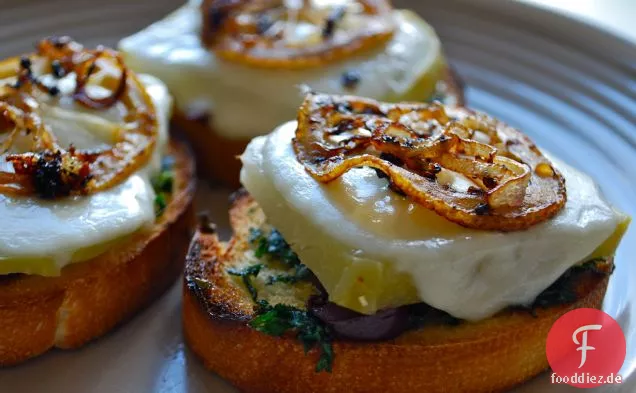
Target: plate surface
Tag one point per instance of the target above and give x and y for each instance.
(570, 86)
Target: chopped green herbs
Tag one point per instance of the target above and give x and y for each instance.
(273, 246)
(598, 265)
(163, 181)
(161, 202)
(310, 331)
(301, 273)
(163, 184)
(563, 290)
(246, 274)
(280, 319)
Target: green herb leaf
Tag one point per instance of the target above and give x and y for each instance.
(563, 290)
(163, 184)
(309, 330)
(246, 274)
(255, 235)
(161, 203)
(301, 273)
(326, 358)
(262, 306)
(598, 265)
(280, 319)
(274, 322)
(163, 181)
(274, 246)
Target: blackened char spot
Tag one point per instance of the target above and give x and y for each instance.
(344, 107)
(60, 41)
(48, 180)
(57, 69)
(371, 110)
(430, 170)
(205, 224)
(482, 209)
(350, 79)
(51, 179)
(330, 23)
(219, 12)
(263, 23)
(25, 63)
(395, 160)
(216, 17)
(343, 126)
(490, 182)
(472, 190)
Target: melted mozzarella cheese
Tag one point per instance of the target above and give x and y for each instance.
(364, 241)
(246, 101)
(40, 237)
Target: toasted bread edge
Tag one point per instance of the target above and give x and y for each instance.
(492, 355)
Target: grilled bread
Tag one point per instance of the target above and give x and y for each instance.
(90, 298)
(490, 355)
(217, 156)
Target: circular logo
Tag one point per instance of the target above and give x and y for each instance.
(586, 348)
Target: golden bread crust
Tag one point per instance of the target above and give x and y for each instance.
(486, 356)
(217, 156)
(90, 298)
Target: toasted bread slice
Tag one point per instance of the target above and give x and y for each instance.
(89, 298)
(217, 156)
(485, 356)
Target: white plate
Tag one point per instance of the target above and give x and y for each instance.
(567, 84)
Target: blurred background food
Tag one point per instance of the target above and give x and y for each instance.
(91, 22)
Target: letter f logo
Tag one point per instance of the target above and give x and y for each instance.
(571, 339)
(583, 344)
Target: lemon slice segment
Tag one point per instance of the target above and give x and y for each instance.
(294, 34)
(609, 246)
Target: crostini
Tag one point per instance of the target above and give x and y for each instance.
(235, 67)
(395, 247)
(95, 199)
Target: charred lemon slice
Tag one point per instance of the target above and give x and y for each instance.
(21, 115)
(423, 148)
(294, 33)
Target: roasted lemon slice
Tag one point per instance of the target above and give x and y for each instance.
(294, 34)
(79, 172)
(511, 185)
